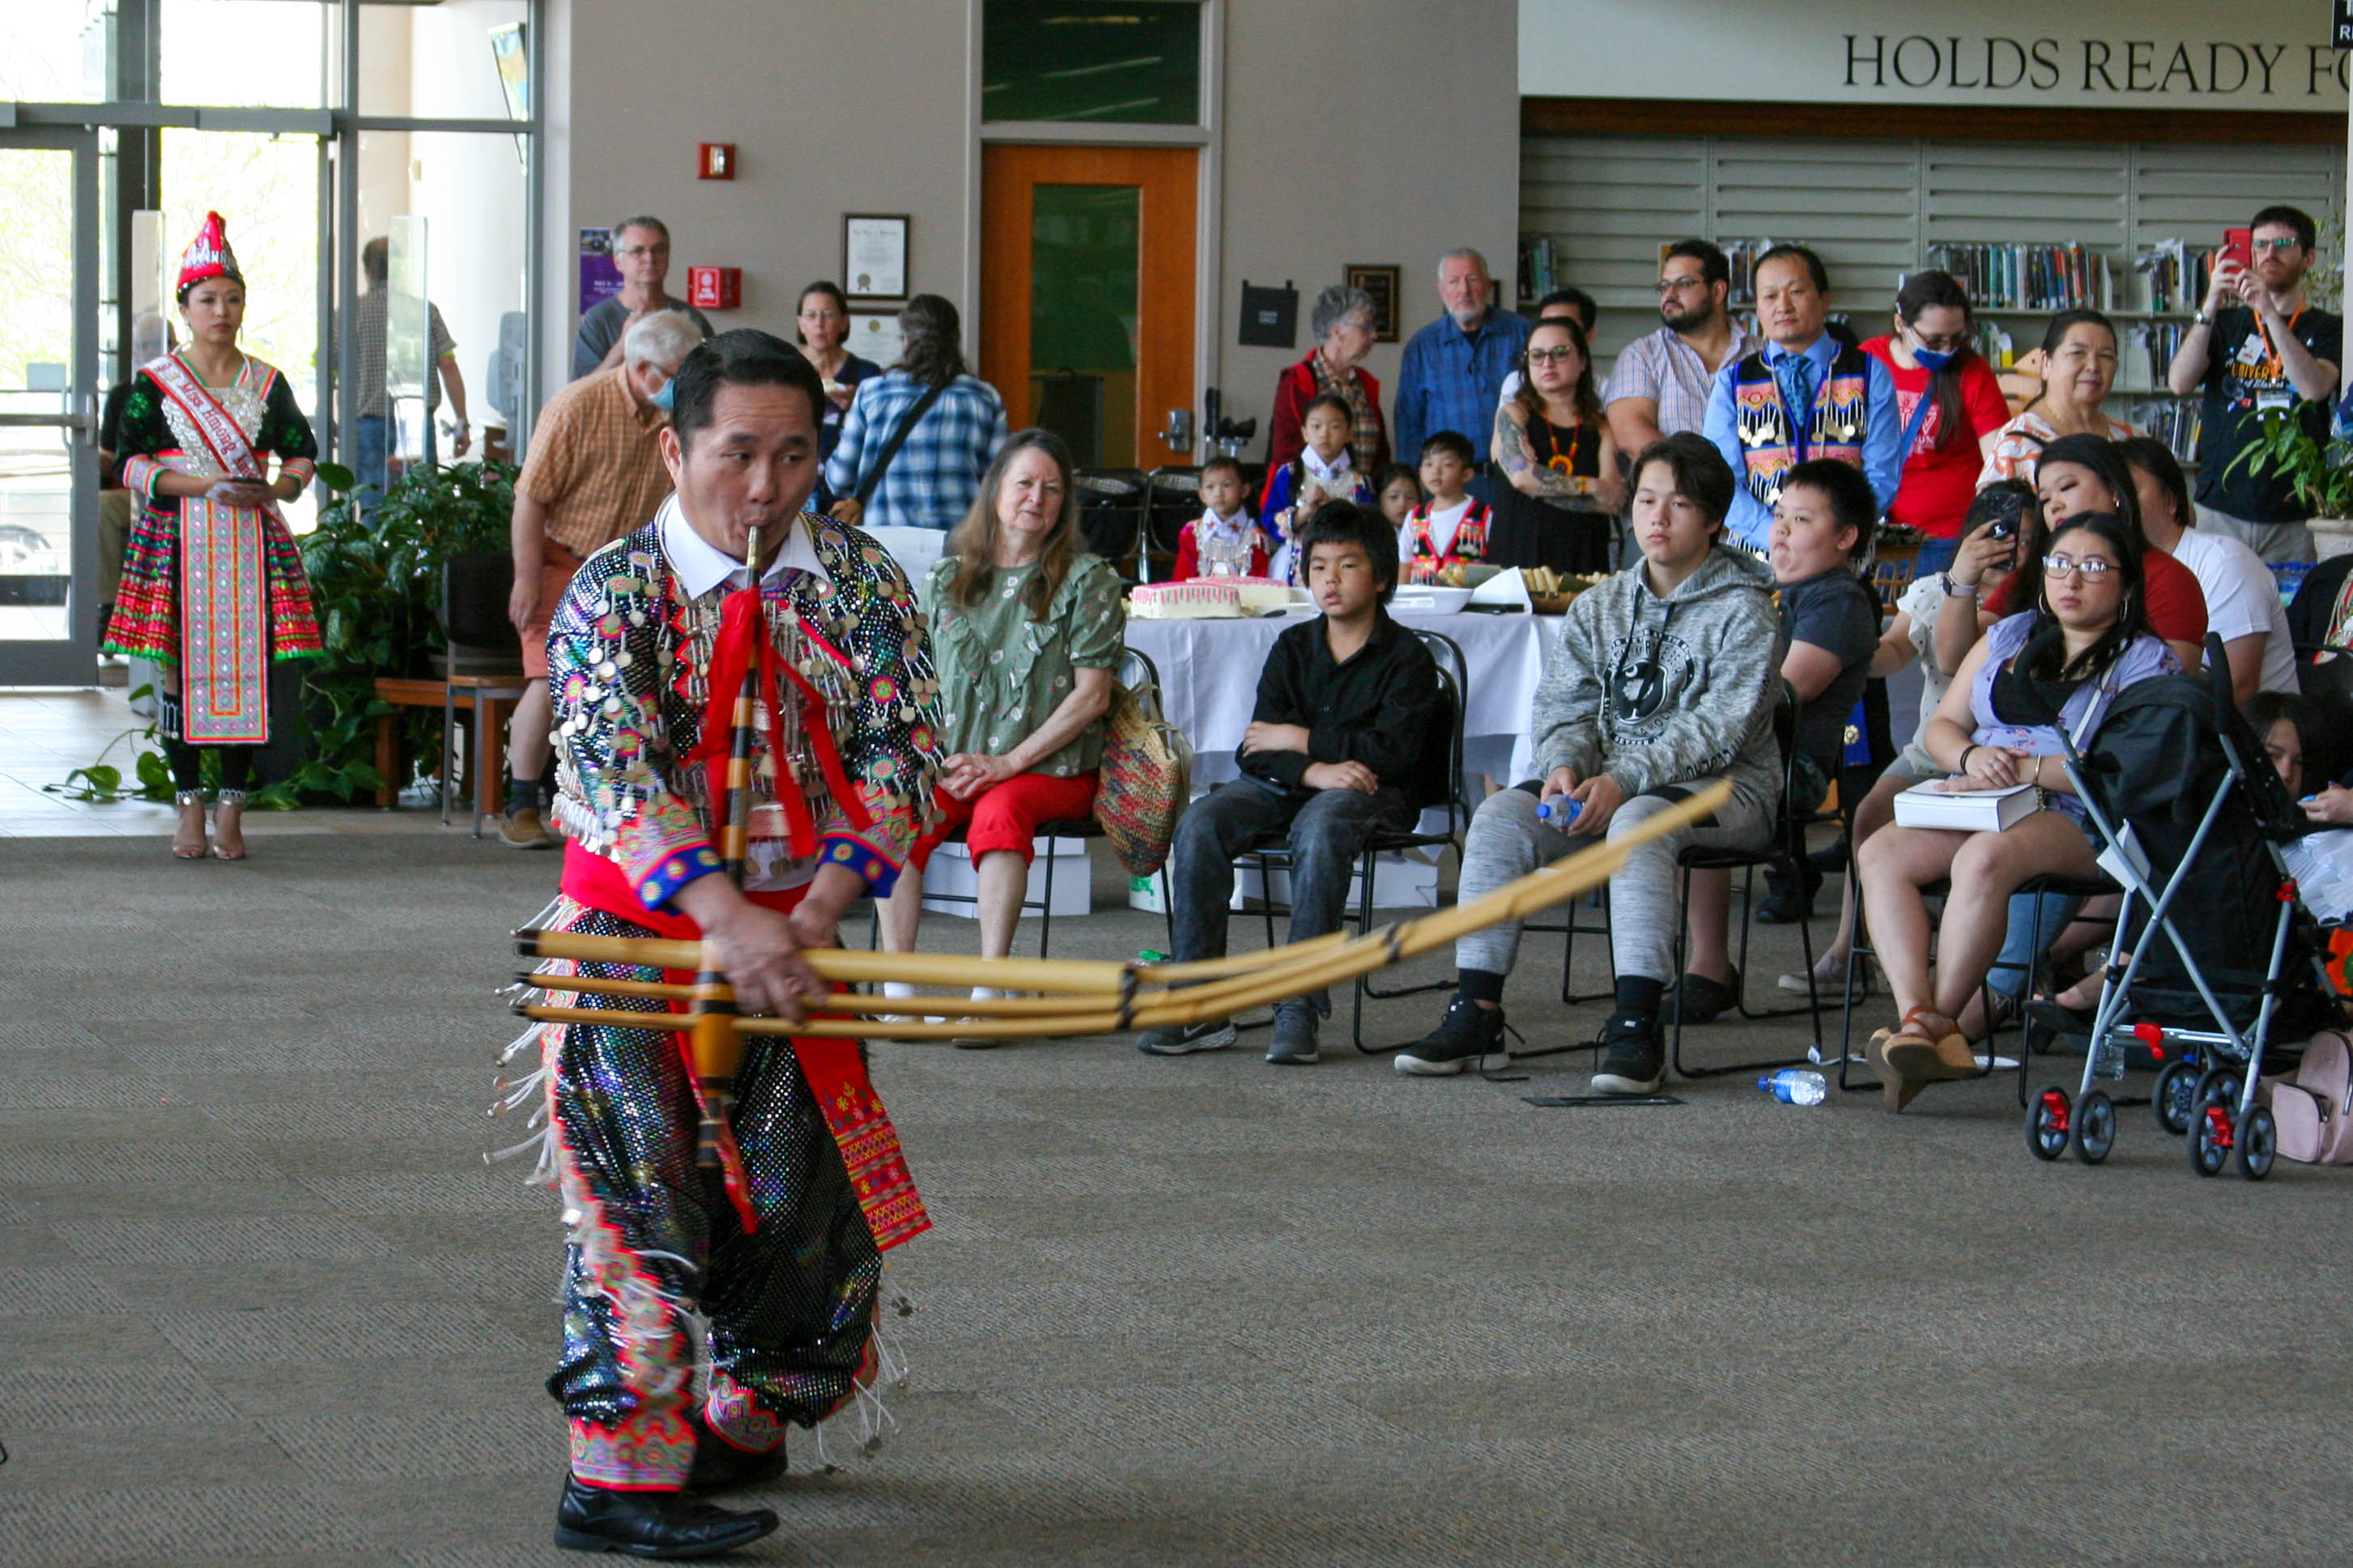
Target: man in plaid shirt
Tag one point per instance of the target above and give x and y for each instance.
(932, 479)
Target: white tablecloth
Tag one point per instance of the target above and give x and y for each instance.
(1210, 670)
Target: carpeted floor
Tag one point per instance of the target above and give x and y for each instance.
(262, 1303)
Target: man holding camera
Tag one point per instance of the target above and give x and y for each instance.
(2259, 346)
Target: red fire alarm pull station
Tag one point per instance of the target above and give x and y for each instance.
(714, 288)
(717, 160)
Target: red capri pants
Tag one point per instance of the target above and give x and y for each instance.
(1007, 816)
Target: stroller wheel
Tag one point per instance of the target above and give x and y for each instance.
(2210, 1138)
(2047, 1123)
(2095, 1133)
(2175, 1097)
(2217, 1082)
(2258, 1142)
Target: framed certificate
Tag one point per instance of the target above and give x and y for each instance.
(874, 335)
(1381, 283)
(874, 255)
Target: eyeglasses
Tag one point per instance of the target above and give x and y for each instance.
(821, 315)
(2285, 242)
(2090, 570)
(1551, 356)
(1952, 342)
(1676, 285)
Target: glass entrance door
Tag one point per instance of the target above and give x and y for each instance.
(48, 410)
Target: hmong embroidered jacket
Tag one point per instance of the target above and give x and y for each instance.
(1768, 438)
(1424, 560)
(628, 658)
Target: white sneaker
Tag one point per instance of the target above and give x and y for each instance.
(1829, 979)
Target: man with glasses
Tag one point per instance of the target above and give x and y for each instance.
(641, 251)
(2259, 345)
(1659, 384)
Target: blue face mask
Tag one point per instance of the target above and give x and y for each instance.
(667, 398)
(1930, 359)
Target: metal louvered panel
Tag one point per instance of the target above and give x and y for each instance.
(2192, 194)
(2025, 193)
(1608, 203)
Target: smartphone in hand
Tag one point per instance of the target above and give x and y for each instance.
(2238, 248)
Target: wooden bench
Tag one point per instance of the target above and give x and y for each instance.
(486, 696)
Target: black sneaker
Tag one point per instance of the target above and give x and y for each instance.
(1786, 903)
(1294, 1037)
(1700, 1000)
(1635, 1062)
(1183, 1039)
(1469, 1037)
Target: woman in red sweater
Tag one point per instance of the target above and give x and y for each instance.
(1950, 401)
(1343, 323)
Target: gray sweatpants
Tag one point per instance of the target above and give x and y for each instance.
(1506, 841)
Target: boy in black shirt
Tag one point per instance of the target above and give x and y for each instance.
(2258, 344)
(1344, 704)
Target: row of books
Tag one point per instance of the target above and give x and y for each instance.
(2028, 276)
(2178, 276)
(2172, 420)
(1536, 266)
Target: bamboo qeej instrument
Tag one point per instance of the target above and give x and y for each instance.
(1071, 996)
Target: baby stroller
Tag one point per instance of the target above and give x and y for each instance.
(2190, 818)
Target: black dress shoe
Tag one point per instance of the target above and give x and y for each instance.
(720, 1464)
(666, 1525)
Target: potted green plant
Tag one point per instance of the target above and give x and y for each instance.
(2317, 467)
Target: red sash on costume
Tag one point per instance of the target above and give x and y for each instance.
(223, 623)
(836, 1074)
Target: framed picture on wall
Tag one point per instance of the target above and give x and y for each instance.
(874, 334)
(1381, 283)
(874, 255)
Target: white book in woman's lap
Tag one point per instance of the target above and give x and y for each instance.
(1931, 804)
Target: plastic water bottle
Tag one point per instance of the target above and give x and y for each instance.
(1796, 1086)
(1559, 813)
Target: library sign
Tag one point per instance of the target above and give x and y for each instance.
(2143, 53)
(2109, 67)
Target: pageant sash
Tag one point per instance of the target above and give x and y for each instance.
(834, 1070)
(224, 575)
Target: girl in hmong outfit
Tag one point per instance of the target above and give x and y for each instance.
(212, 586)
(702, 1317)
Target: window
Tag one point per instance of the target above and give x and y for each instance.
(1135, 63)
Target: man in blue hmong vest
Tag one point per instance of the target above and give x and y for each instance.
(1804, 395)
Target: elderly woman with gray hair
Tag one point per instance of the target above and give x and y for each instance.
(1343, 322)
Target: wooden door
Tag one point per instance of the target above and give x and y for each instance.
(1086, 295)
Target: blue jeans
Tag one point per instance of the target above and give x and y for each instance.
(1936, 556)
(372, 456)
(2018, 948)
(370, 447)
(1324, 833)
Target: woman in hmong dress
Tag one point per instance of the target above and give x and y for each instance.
(212, 586)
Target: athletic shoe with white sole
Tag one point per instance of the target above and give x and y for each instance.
(1468, 1038)
(1183, 1039)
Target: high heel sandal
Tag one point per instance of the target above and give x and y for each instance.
(1911, 1058)
(181, 849)
(230, 797)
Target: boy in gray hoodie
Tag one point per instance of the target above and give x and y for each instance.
(1664, 678)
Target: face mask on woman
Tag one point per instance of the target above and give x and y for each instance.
(1932, 360)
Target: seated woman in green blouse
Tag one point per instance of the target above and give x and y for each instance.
(1026, 631)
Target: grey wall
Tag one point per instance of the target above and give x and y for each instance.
(1357, 130)
(1372, 131)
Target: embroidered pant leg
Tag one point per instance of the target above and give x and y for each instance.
(791, 1305)
(658, 1253)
